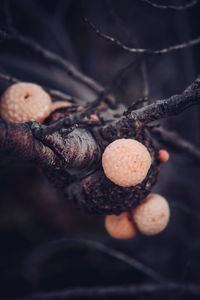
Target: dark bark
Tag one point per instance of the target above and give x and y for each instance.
(71, 156)
(164, 108)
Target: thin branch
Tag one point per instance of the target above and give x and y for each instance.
(190, 4)
(43, 253)
(194, 85)
(56, 59)
(76, 118)
(63, 96)
(177, 143)
(130, 36)
(124, 290)
(164, 108)
(118, 43)
(8, 79)
(124, 258)
(70, 121)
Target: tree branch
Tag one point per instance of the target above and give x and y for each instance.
(134, 119)
(16, 141)
(58, 151)
(164, 108)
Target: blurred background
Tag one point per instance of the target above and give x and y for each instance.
(32, 212)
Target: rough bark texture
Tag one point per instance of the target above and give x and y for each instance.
(89, 189)
(71, 156)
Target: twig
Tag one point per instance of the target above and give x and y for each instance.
(8, 79)
(164, 108)
(134, 119)
(70, 121)
(43, 252)
(118, 43)
(63, 96)
(77, 117)
(190, 4)
(126, 259)
(177, 143)
(194, 85)
(127, 32)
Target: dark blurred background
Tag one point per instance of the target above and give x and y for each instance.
(32, 212)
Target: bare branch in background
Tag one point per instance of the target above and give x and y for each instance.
(168, 49)
(130, 36)
(190, 4)
(174, 141)
(42, 253)
(56, 59)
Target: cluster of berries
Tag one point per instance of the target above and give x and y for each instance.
(125, 161)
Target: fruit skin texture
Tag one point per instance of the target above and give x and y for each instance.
(23, 102)
(126, 162)
(163, 155)
(152, 215)
(121, 226)
(101, 196)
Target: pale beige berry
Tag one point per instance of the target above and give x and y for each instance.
(23, 102)
(152, 215)
(163, 155)
(126, 162)
(60, 104)
(120, 227)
